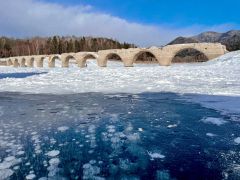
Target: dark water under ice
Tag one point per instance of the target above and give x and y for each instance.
(115, 136)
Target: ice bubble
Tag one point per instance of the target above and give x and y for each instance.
(52, 141)
(6, 173)
(237, 140)
(211, 135)
(54, 161)
(215, 121)
(27, 164)
(91, 151)
(10, 158)
(20, 153)
(9, 162)
(34, 133)
(5, 165)
(92, 162)
(53, 153)
(172, 126)
(155, 155)
(62, 128)
(16, 167)
(30, 176)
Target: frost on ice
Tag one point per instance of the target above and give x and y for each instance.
(215, 121)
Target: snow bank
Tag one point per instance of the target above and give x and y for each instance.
(215, 84)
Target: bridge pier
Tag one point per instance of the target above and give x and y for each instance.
(40, 60)
(30, 62)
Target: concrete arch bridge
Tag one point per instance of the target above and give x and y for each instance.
(164, 56)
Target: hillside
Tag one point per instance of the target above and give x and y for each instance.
(231, 39)
(56, 45)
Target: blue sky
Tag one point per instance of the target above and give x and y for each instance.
(142, 22)
(174, 12)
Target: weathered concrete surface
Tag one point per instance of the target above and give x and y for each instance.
(3, 62)
(163, 55)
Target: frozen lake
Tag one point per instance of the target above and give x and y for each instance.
(146, 122)
(115, 136)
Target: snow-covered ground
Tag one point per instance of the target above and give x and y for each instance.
(214, 84)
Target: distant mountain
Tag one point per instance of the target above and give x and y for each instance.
(231, 39)
(183, 40)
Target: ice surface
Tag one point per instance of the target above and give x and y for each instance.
(215, 84)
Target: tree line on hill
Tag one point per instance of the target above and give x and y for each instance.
(56, 45)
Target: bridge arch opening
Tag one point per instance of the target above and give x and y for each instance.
(31, 62)
(9, 62)
(70, 60)
(54, 61)
(113, 59)
(145, 57)
(23, 62)
(189, 55)
(15, 63)
(89, 59)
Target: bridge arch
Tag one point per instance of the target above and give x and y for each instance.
(52, 60)
(142, 54)
(112, 56)
(86, 57)
(189, 55)
(66, 60)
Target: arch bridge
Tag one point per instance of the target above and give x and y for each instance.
(164, 56)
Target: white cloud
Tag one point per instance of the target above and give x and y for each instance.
(26, 18)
